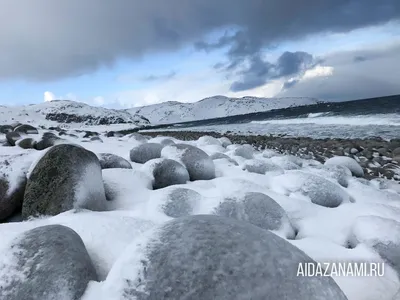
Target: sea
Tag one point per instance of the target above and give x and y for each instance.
(368, 118)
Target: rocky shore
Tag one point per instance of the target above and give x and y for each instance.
(378, 157)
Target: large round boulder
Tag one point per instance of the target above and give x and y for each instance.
(145, 152)
(6, 128)
(347, 162)
(49, 262)
(47, 140)
(66, 177)
(318, 189)
(199, 165)
(259, 166)
(13, 137)
(246, 151)
(219, 155)
(112, 161)
(26, 128)
(180, 202)
(259, 210)
(167, 172)
(13, 171)
(212, 257)
(26, 143)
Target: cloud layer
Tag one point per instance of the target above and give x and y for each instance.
(46, 40)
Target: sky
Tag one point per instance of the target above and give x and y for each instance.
(128, 53)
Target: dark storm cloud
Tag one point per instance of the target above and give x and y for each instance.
(260, 71)
(47, 39)
(375, 75)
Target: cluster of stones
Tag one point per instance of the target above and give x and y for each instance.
(195, 256)
(378, 157)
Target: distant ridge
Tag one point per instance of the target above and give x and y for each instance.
(215, 107)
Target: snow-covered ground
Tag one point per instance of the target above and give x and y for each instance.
(215, 107)
(330, 222)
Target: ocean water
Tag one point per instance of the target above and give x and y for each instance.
(379, 117)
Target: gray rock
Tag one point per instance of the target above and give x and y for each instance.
(13, 137)
(348, 162)
(25, 128)
(145, 152)
(112, 161)
(6, 129)
(219, 155)
(320, 190)
(225, 142)
(260, 166)
(66, 177)
(137, 137)
(168, 172)
(47, 263)
(257, 209)
(208, 140)
(199, 165)
(166, 142)
(387, 247)
(211, 257)
(96, 139)
(180, 202)
(396, 152)
(26, 143)
(245, 151)
(48, 140)
(340, 174)
(13, 171)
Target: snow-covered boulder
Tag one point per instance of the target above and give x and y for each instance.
(261, 166)
(167, 172)
(208, 140)
(13, 137)
(245, 151)
(48, 262)
(225, 142)
(66, 177)
(287, 162)
(165, 141)
(180, 202)
(212, 257)
(26, 143)
(13, 171)
(6, 128)
(26, 128)
(219, 155)
(257, 209)
(381, 234)
(112, 161)
(48, 140)
(318, 189)
(145, 152)
(348, 162)
(199, 165)
(137, 137)
(339, 173)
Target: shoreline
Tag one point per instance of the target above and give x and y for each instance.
(378, 157)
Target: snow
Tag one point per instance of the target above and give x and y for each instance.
(117, 238)
(215, 107)
(37, 114)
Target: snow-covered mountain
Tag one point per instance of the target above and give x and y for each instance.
(76, 114)
(215, 107)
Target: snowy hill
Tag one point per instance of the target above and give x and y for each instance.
(64, 111)
(214, 107)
